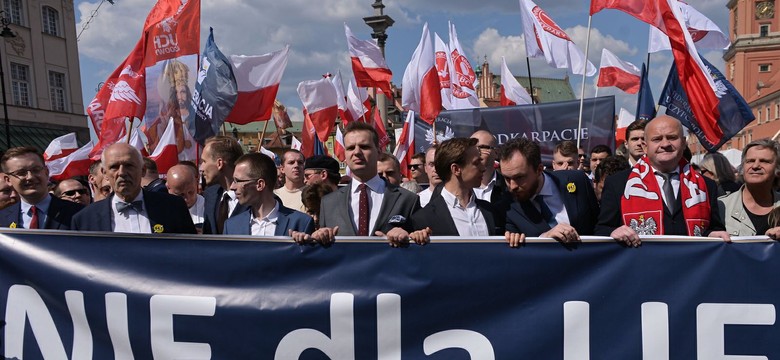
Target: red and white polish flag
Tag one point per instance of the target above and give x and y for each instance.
(61, 147)
(404, 148)
(421, 89)
(704, 32)
(166, 154)
(462, 76)
(618, 73)
(341, 97)
(512, 93)
(443, 61)
(258, 79)
(544, 38)
(136, 142)
(74, 164)
(295, 144)
(625, 118)
(338, 145)
(320, 100)
(368, 64)
(358, 103)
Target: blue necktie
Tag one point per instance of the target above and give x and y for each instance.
(543, 208)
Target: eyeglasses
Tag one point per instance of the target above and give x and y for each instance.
(23, 172)
(486, 147)
(414, 166)
(582, 156)
(307, 176)
(74, 192)
(239, 181)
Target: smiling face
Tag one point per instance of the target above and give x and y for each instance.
(759, 166)
(665, 143)
(28, 176)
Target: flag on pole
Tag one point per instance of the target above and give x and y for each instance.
(421, 91)
(462, 76)
(308, 135)
(166, 154)
(704, 32)
(512, 93)
(694, 77)
(319, 147)
(268, 153)
(257, 78)
(338, 145)
(113, 130)
(341, 97)
(404, 148)
(295, 144)
(320, 100)
(645, 104)
(379, 125)
(281, 118)
(215, 94)
(136, 142)
(618, 73)
(443, 68)
(61, 147)
(74, 164)
(368, 64)
(734, 111)
(544, 38)
(358, 103)
(625, 118)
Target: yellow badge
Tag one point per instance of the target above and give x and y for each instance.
(158, 228)
(12, 226)
(571, 187)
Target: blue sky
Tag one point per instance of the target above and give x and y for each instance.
(314, 30)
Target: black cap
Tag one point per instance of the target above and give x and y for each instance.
(322, 162)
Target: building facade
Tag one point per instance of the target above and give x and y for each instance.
(544, 90)
(40, 65)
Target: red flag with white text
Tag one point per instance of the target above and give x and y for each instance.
(379, 125)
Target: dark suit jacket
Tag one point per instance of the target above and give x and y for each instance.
(162, 208)
(611, 216)
(436, 215)
(58, 216)
(212, 196)
(288, 219)
(581, 206)
(335, 210)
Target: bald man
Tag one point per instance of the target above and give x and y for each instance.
(183, 182)
(8, 195)
(492, 188)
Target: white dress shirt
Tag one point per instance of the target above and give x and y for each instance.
(232, 203)
(198, 209)
(131, 220)
(376, 193)
(425, 196)
(552, 197)
(469, 219)
(43, 209)
(267, 225)
(484, 193)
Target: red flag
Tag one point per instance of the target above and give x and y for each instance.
(368, 64)
(166, 154)
(113, 130)
(380, 129)
(75, 164)
(618, 73)
(321, 103)
(338, 146)
(421, 89)
(136, 142)
(307, 136)
(61, 147)
(512, 93)
(404, 148)
(624, 119)
(258, 79)
(173, 30)
(693, 74)
(344, 113)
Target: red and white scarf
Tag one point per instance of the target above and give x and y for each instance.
(643, 205)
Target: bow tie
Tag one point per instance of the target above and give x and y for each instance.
(124, 206)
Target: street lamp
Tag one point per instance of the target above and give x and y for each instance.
(6, 33)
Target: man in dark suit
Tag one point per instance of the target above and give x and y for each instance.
(559, 205)
(457, 211)
(36, 209)
(130, 208)
(492, 188)
(254, 180)
(659, 206)
(217, 163)
(368, 206)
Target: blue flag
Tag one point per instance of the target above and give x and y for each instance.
(734, 111)
(645, 105)
(319, 147)
(215, 94)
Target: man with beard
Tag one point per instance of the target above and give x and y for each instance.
(559, 204)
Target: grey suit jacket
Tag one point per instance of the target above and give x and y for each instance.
(335, 210)
(733, 213)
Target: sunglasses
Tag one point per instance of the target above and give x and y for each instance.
(414, 166)
(74, 192)
(486, 147)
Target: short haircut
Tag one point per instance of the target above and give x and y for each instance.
(600, 149)
(361, 126)
(529, 149)
(20, 151)
(94, 168)
(293, 151)
(150, 166)
(387, 157)
(452, 151)
(419, 156)
(567, 148)
(188, 163)
(609, 166)
(226, 148)
(260, 166)
(636, 125)
(763, 143)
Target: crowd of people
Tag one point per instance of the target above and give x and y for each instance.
(468, 187)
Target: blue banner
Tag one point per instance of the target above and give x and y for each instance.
(77, 296)
(547, 123)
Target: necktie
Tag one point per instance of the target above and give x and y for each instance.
(222, 212)
(125, 206)
(34, 220)
(668, 191)
(543, 208)
(363, 210)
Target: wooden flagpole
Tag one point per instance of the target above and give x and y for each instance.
(262, 136)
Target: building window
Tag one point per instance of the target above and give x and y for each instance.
(57, 90)
(758, 118)
(777, 111)
(20, 84)
(51, 21)
(13, 10)
(764, 67)
(766, 114)
(763, 30)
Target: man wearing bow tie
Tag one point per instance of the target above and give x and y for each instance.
(130, 209)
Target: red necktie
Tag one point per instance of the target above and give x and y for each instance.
(34, 220)
(363, 210)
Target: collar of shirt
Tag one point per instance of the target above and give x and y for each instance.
(548, 188)
(490, 184)
(453, 202)
(271, 217)
(376, 184)
(43, 205)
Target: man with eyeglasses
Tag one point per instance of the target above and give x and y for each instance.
(37, 209)
(321, 169)
(417, 169)
(492, 188)
(254, 180)
(73, 190)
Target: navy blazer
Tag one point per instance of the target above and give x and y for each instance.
(58, 216)
(581, 206)
(436, 215)
(398, 205)
(288, 219)
(212, 196)
(164, 209)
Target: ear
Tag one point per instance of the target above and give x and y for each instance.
(455, 170)
(143, 171)
(220, 164)
(260, 185)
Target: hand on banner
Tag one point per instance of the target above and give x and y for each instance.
(396, 237)
(514, 239)
(421, 237)
(773, 233)
(325, 236)
(626, 235)
(301, 238)
(563, 233)
(723, 235)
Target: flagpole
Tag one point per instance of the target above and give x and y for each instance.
(363, 116)
(129, 129)
(262, 137)
(582, 89)
(530, 79)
